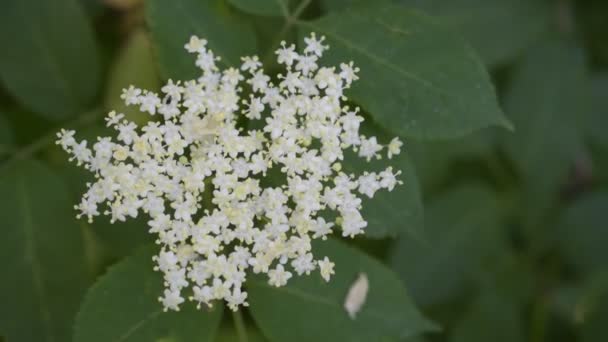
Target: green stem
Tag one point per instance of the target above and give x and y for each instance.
(239, 324)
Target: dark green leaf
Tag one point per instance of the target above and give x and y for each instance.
(272, 8)
(120, 238)
(598, 117)
(340, 5)
(123, 306)
(489, 314)
(418, 79)
(462, 232)
(41, 240)
(173, 22)
(413, 339)
(582, 233)
(6, 136)
(484, 23)
(135, 66)
(593, 311)
(579, 302)
(546, 102)
(390, 213)
(433, 159)
(594, 329)
(309, 309)
(228, 334)
(51, 66)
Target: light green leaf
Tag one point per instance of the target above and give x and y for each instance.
(546, 102)
(173, 22)
(490, 313)
(123, 306)
(135, 66)
(582, 234)
(418, 78)
(389, 213)
(51, 66)
(45, 272)
(461, 228)
(489, 25)
(309, 309)
(271, 8)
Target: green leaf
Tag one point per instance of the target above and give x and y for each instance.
(582, 302)
(546, 102)
(490, 313)
(418, 79)
(6, 136)
(271, 8)
(228, 333)
(483, 23)
(597, 120)
(582, 234)
(433, 159)
(309, 309)
(136, 66)
(42, 244)
(594, 329)
(49, 60)
(120, 238)
(340, 5)
(123, 306)
(389, 213)
(461, 228)
(594, 325)
(173, 22)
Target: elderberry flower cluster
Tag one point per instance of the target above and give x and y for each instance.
(223, 200)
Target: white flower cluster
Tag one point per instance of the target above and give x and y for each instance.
(198, 154)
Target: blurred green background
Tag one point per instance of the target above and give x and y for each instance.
(515, 244)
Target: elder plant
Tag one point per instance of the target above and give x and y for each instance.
(197, 151)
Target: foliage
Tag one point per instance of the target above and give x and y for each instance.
(499, 226)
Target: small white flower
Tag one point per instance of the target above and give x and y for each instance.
(388, 179)
(113, 119)
(251, 63)
(66, 139)
(171, 300)
(314, 45)
(326, 268)
(255, 109)
(278, 277)
(369, 148)
(368, 184)
(348, 72)
(131, 96)
(394, 147)
(196, 45)
(286, 55)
